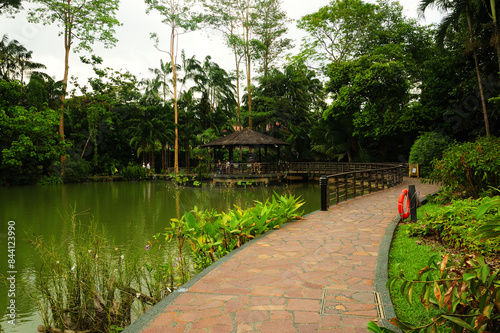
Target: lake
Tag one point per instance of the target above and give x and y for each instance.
(127, 210)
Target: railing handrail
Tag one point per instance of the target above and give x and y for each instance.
(312, 167)
(361, 171)
(390, 176)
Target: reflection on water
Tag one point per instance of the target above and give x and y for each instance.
(127, 210)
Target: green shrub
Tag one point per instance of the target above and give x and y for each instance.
(456, 226)
(213, 235)
(75, 169)
(428, 147)
(462, 295)
(469, 169)
(134, 172)
(465, 295)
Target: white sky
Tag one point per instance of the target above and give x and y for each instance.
(135, 51)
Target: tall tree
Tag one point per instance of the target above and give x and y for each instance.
(336, 32)
(460, 15)
(82, 22)
(269, 29)
(224, 17)
(178, 15)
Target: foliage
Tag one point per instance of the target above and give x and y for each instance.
(427, 147)
(462, 295)
(9, 6)
(373, 91)
(466, 294)
(492, 227)
(93, 286)
(134, 172)
(212, 235)
(336, 31)
(469, 169)
(455, 225)
(28, 142)
(15, 60)
(282, 106)
(10, 93)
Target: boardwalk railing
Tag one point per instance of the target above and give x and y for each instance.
(308, 168)
(346, 185)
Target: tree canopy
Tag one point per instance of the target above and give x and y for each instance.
(365, 84)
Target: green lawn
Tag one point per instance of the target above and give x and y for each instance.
(410, 255)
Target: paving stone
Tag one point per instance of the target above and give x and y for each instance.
(312, 275)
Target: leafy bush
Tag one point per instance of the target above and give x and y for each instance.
(428, 147)
(76, 170)
(456, 226)
(134, 172)
(469, 169)
(213, 235)
(49, 180)
(466, 295)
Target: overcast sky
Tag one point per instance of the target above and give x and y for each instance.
(135, 51)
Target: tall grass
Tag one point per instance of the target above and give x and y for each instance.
(86, 283)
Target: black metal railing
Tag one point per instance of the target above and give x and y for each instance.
(346, 185)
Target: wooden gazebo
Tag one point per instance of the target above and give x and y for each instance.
(250, 139)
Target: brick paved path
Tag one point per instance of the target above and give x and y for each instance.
(312, 275)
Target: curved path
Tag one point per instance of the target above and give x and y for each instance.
(313, 275)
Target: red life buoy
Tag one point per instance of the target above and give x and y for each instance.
(404, 214)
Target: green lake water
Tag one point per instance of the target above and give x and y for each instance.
(127, 210)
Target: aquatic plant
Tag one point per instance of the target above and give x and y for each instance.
(85, 283)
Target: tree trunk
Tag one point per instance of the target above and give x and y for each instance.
(67, 48)
(478, 73)
(174, 78)
(238, 120)
(496, 36)
(248, 63)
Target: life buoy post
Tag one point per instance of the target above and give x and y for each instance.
(408, 197)
(404, 212)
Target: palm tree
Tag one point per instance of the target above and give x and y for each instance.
(460, 14)
(217, 93)
(15, 60)
(161, 78)
(148, 129)
(151, 94)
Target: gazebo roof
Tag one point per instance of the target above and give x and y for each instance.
(246, 137)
